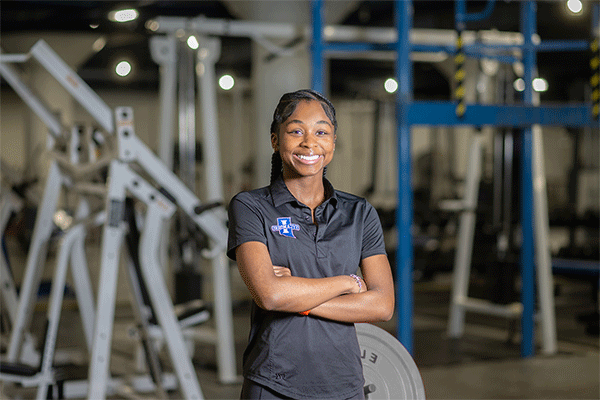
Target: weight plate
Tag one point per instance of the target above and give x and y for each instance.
(389, 370)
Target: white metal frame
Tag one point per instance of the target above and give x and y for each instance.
(122, 180)
(9, 203)
(211, 222)
(70, 249)
(131, 149)
(460, 303)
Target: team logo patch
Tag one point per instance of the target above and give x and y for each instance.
(285, 227)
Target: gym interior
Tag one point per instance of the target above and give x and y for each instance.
(127, 127)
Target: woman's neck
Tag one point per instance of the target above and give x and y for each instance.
(308, 190)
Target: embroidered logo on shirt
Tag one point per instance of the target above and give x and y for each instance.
(285, 227)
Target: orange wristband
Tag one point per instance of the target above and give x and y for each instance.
(304, 312)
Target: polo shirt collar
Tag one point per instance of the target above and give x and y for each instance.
(281, 195)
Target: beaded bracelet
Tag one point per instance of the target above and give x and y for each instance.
(358, 282)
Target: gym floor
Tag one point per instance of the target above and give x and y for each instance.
(484, 364)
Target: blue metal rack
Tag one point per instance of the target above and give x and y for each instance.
(409, 112)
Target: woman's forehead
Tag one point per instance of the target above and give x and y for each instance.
(309, 109)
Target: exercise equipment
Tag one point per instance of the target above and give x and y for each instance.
(460, 302)
(129, 150)
(46, 375)
(389, 370)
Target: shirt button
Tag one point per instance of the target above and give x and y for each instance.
(306, 217)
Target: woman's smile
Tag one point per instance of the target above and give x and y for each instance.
(308, 159)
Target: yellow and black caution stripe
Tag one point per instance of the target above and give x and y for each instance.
(595, 77)
(459, 76)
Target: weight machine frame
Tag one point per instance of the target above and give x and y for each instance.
(212, 222)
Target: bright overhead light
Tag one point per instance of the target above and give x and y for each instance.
(192, 42)
(519, 84)
(390, 85)
(575, 6)
(126, 15)
(123, 68)
(540, 85)
(226, 82)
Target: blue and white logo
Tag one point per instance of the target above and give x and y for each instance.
(285, 227)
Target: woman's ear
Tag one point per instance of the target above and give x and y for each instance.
(274, 141)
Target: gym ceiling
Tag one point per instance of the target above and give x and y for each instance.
(566, 72)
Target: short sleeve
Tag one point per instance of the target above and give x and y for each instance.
(373, 242)
(245, 223)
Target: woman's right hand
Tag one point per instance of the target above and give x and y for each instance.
(281, 271)
(358, 287)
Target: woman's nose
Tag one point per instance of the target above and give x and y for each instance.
(308, 140)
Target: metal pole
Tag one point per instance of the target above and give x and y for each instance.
(164, 53)
(404, 257)
(318, 70)
(528, 27)
(208, 54)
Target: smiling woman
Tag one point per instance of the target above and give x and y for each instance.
(298, 244)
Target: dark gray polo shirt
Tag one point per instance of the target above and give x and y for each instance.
(295, 355)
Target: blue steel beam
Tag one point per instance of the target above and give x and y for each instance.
(317, 46)
(463, 16)
(473, 49)
(403, 12)
(442, 113)
(528, 27)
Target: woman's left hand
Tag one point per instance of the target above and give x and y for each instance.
(281, 271)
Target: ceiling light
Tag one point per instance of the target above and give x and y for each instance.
(226, 82)
(192, 42)
(390, 85)
(125, 15)
(540, 85)
(574, 6)
(123, 68)
(519, 84)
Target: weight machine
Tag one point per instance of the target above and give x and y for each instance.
(209, 219)
(71, 249)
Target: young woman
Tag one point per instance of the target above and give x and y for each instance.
(298, 244)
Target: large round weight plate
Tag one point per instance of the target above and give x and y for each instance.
(390, 371)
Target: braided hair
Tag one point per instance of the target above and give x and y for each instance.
(285, 108)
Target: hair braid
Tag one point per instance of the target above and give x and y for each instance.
(276, 166)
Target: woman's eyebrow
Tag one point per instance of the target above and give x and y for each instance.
(297, 121)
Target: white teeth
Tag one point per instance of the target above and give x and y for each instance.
(308, 158)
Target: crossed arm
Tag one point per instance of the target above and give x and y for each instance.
(337, 298)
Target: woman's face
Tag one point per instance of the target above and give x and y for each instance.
(305, 141)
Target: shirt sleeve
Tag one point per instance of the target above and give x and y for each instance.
(245, 224)
(373, 242)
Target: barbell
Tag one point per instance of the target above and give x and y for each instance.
(389, 370)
